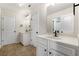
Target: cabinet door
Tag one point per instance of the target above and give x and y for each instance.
(41, 51)
(26, 39)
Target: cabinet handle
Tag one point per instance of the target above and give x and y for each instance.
(14, 31)
(50, 53)
(45, 50)
(36, 32)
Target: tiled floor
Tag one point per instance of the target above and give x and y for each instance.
(17, 50)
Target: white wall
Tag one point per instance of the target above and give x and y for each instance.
(68, 24)
(62, 13)
(21, 19)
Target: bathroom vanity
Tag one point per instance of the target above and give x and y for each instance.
(47, 45)
(25, 38)
(64, 41)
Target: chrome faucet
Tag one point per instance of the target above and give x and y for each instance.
(56, 34)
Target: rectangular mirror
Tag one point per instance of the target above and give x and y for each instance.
(62, 20)
(63, 24)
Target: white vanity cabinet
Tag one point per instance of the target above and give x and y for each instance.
(25, 38)
(49, 47)
(53, 52)
(42, 47)
(41, 50)
(60, 49)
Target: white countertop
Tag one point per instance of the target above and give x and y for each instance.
(63, 39)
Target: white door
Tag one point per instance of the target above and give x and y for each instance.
(8, 30)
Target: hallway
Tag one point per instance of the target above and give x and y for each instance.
(17, 50)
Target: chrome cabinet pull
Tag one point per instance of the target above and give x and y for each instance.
(45, 50)
(50, 53)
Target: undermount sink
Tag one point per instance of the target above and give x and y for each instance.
(49, 36)
(56, 37)
(53, 37)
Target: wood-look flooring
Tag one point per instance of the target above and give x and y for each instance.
(17, 50)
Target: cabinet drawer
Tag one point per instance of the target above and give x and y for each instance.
(55, 53)
(61, 48)
(42, 41)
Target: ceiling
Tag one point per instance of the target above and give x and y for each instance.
(15, 6)
(34, 6)
(57, 7)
